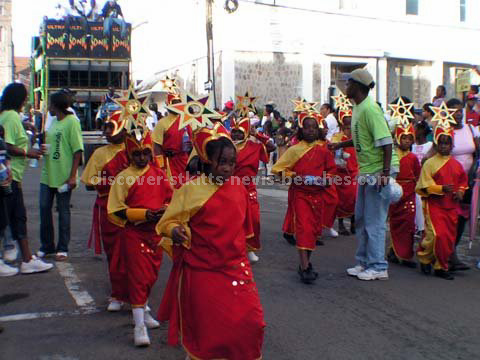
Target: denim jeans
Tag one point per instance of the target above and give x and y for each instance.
(108, 23)
(371, 212)
(47, 233)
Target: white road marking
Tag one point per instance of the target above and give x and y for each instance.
(42, 315)
(72, 282)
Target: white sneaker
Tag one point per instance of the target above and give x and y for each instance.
(371, 274)
(114, 306)
(35, 265)
(10, 255)
(6, 270)
(40, 254)
(331, 232)
(354, 271)
(252, 257)
(140, 336)
(150, 322)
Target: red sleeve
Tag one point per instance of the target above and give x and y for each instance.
(248, 225)
(330, 166)
(417, 168)
(264, 157)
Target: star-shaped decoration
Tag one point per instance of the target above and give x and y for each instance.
(443, 115)
(402, 112)
(304, 105)
(245, 104)
(342, 102)
(134, 109)
(194, 112)
(169, 84)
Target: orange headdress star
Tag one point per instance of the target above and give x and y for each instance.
(402, 112)
(310, 115)
(204, 135)
(304, 105)
(134, 110)
(341, 101)
(245, 104)
(194, 112)
(118, 122)
(443, 117)
(242, 125)
(169, 84)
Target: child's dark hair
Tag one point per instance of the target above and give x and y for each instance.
(13, 97)
(213, 147)
(61, 101)
(454, 102)
(428, 108)
(423, 125)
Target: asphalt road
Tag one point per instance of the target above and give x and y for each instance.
(408, 317)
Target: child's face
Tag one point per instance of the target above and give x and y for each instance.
(445, 145)
(237, 135)
(347, 126)
(310, 130)
(223, 165)
(406, 142)
(113, 139)
(141, 158)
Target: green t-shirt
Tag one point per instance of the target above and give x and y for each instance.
(15, 135)
(369, 133)
(65, 139)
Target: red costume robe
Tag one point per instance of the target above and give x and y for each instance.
(140, 189)
(440, 209)
(249, 155)
(104, 164)
(402, 214)
(307, 200)
(211, 299)
(170, 138)
(347, 188)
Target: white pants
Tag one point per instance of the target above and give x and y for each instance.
(419, 219)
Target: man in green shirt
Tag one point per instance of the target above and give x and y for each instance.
(377, 162)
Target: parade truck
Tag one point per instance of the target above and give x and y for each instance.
(68, 54)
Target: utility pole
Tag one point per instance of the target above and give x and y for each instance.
(210, 84)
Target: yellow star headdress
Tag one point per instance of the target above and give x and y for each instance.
(194, 112)
(245, 104)
(134, 110)
(170, 84)
(341, 101)
(402, 112)
(443, 115)
(304, 105)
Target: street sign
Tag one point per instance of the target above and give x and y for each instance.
(463, 81)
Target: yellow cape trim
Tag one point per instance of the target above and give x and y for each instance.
(97, 162)
(186, 202)
(162, 127)
(288, 160)
(119, 192)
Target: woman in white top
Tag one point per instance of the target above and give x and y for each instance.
(464, 148)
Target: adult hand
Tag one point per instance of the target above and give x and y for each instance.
(72, 183)
(8, 180)
(155, 215)
(34, 153)
(179, 235)
(447, 188)
(458, 195)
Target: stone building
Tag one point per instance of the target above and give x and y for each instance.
(283, 49)
(6, 44)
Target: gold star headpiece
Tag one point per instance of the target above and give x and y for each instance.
(402, 112)
(341, 101)
(170, 84)
(304, 105)
(245, 104)
(194, 112)
(134, 110)
(443, 115)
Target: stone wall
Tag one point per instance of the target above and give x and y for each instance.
(317, 83)
(273, 77)
(420, 81)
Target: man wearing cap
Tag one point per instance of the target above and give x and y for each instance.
(377, 162)
(472, 116)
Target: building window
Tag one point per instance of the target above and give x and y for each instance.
(412, 7)
(463, 10)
